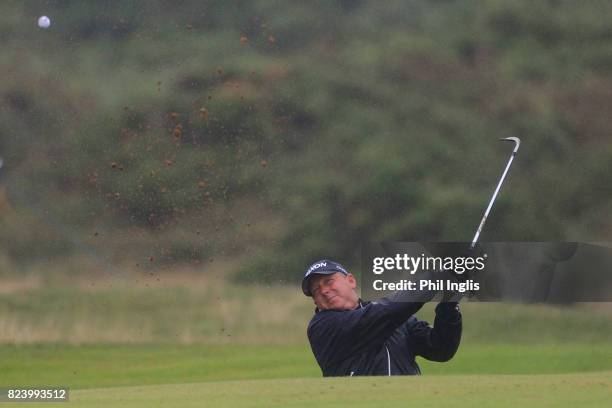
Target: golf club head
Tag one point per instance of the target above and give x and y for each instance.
(516, 140)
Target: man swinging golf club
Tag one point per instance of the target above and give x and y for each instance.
(353, 337)
(349, 336)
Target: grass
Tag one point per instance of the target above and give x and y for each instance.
(182, 309)
(571, 390)
(94, 366)
(192, 341)
(593, 390)
(151, 308)
(108, 365)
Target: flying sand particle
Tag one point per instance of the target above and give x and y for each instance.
(204, 113)
(178, 131)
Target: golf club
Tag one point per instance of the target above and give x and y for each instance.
(517, 143)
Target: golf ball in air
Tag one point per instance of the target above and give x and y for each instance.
(44, 22)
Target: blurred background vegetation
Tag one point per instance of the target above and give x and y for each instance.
(147, 136)
(157, 153)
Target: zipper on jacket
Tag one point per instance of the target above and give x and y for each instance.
(388, 355)
(388, 362)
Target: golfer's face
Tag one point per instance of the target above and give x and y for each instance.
(335, 291)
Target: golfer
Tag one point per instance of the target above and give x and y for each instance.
(351, 337)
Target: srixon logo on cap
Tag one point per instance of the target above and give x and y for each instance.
(316, 266)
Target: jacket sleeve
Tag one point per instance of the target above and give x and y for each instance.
(440, 342)
(336, 335)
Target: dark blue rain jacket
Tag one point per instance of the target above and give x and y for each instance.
(382, 338)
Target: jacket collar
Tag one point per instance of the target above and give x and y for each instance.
(360, 303)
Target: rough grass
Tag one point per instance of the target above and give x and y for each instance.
(192, 309)
(151, 308)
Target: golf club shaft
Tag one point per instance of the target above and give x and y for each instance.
(517, 142)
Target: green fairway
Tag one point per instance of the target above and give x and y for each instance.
(113, 365)
(584, 390)
(208, 344)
